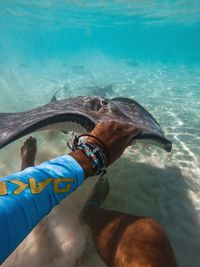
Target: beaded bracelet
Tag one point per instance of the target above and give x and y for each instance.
(104, 148)
(93, 153)
(99, 158)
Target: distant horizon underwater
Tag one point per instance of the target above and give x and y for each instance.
(145, 50)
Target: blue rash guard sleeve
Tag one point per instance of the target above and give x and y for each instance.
(27, 196)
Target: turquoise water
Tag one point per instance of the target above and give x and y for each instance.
(145, 50)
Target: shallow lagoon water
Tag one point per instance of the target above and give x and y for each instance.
(135, 60)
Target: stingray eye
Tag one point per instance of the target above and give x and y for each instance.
(93, 104)
(104, 102)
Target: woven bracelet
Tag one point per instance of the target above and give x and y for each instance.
(95, 155)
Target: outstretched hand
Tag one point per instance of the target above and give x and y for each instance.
(115, 135)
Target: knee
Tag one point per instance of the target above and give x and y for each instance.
(144, 243)
(150, 227)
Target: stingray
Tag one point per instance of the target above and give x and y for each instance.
(81, 114)
(96, 90)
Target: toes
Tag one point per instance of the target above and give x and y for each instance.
(29, 145)
(26, 142)
(30, 141)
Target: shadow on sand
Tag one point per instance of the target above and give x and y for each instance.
(161, 193)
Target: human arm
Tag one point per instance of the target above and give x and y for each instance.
(21, 211)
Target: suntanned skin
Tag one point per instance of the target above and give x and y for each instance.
(122, 240)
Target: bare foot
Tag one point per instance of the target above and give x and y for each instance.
(28, 152)
(97, 197)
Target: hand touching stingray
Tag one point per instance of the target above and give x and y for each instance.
(116, 137)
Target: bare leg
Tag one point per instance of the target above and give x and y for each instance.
(28, 153)
(124, 240)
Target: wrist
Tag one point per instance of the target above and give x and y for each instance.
(92, 155)
(102, 146)
(84, 161)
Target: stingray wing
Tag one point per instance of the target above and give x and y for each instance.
(151, 131)
(16, 125)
